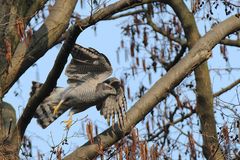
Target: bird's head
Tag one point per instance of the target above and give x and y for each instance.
(105, 89)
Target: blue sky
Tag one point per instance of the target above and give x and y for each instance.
(107, 40)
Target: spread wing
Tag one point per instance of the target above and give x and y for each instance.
(87, 65)
(87, 68)
(114, 105)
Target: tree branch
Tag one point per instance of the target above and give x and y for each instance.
(179, 55)
(130, 13)
(107, 12)
(152, 137)
(223, 90)
(33, 8)
(229, 42)
(197, 55)
(204, 98)
(163, 32)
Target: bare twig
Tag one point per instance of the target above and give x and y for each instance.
(223, 90)
(163, 32)
(229, 42)
(105, 13)
(127, 14)
(167, 125)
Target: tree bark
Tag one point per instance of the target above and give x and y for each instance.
(11, 12)
(204, 92)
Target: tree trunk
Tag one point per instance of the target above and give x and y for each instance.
(204, 92)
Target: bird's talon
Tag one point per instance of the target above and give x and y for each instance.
(68, 122)
(56, 108)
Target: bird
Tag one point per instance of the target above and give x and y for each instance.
(88, 85)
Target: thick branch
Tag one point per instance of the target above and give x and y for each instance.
(223, 90)
(204, 96)
(197, 55)
(11, 13)
(27, 9)
(34, 7)
(108, 11)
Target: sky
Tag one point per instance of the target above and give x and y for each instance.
(106, 40)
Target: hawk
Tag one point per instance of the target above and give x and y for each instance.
(88, 85)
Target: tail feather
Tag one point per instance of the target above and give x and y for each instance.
(44, 112)
(35, 87)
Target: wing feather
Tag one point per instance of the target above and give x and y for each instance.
(114, 105)
(87, 65)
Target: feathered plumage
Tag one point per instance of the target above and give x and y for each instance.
(88, 86)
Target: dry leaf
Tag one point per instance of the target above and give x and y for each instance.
(59, 153)
(134, 143)
(225, 133)
(89, 130)
(144, 65)
(126, 151)
(128, 93)
(192, 145)
(142, 151)
(100, 148)
(8, 54)
(132, 47)
(145, 37)
(120, 153)
(29, 36)
(137, 61)
(20, 28)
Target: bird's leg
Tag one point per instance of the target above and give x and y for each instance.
(69, 121)
(56, 108)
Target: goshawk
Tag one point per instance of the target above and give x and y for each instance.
(88, 86)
